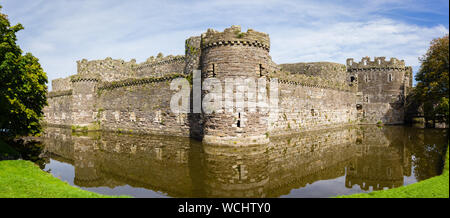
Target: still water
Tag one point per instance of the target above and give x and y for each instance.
(315, 164)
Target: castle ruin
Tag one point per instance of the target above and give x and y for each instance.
(116, 95)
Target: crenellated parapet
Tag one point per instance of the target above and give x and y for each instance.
(285, 77)
(138, 81)
(383, 85)
(234, 54)
(54, 94)
(192, 54)
(90, 77)
(379, 63)
(113, 94)
(160, 66)
(156, 61)
(233, 36)
(61, 84)
(326, 70)
(109, 69)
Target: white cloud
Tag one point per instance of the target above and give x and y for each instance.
(340, 40)
(61, 32)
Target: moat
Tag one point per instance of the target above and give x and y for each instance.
(313, 164)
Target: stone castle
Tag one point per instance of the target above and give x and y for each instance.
(116, 95)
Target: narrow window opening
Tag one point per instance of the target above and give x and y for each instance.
(312, 112)
(239, 120)
(214, 70)
(240, 172)
(389, 77)
(261, 70)
(352, 79)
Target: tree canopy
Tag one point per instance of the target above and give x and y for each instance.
(433, 80)
(22, 84)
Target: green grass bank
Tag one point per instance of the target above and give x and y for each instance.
(436, 187)
(24, 179)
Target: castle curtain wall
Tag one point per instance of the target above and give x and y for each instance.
(140, 106)
(126, 96)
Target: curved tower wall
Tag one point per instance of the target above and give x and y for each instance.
(125, 96)
(233, 54)
(83, 101)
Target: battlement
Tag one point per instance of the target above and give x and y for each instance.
(138, 81)
(234, 36)
(285, 77)
(378, 63)
(160, 60)
(108, 64)
(113, 94)
(61, 84)
(54, 94)
(326, 70)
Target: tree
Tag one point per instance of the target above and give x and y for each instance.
(22, 85)
(433, 80)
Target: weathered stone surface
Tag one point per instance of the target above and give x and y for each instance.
(384, 86)
(126, 96)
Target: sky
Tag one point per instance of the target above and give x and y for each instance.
(60, 32)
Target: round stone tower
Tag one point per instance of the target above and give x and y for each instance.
(84, 86)
(234, 56)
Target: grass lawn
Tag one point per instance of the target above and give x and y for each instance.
(24, 179)
(436, 187)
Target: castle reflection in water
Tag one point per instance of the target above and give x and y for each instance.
(318, 164)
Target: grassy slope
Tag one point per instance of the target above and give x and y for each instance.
(23, 179)
(436, 187)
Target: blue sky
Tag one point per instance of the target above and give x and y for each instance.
(59, 32)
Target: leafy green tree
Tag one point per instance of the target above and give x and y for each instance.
(22, 84)
(433, 80)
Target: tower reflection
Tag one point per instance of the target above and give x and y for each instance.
(366, 157)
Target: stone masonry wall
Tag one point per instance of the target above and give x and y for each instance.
(61, 84)
(383, 85)
(160, 66)
(326, 70)
(108, 69)
(236, 55)
(141, 105)
(119, 95)
(83, 101)
(310, 108)
(59, 109)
